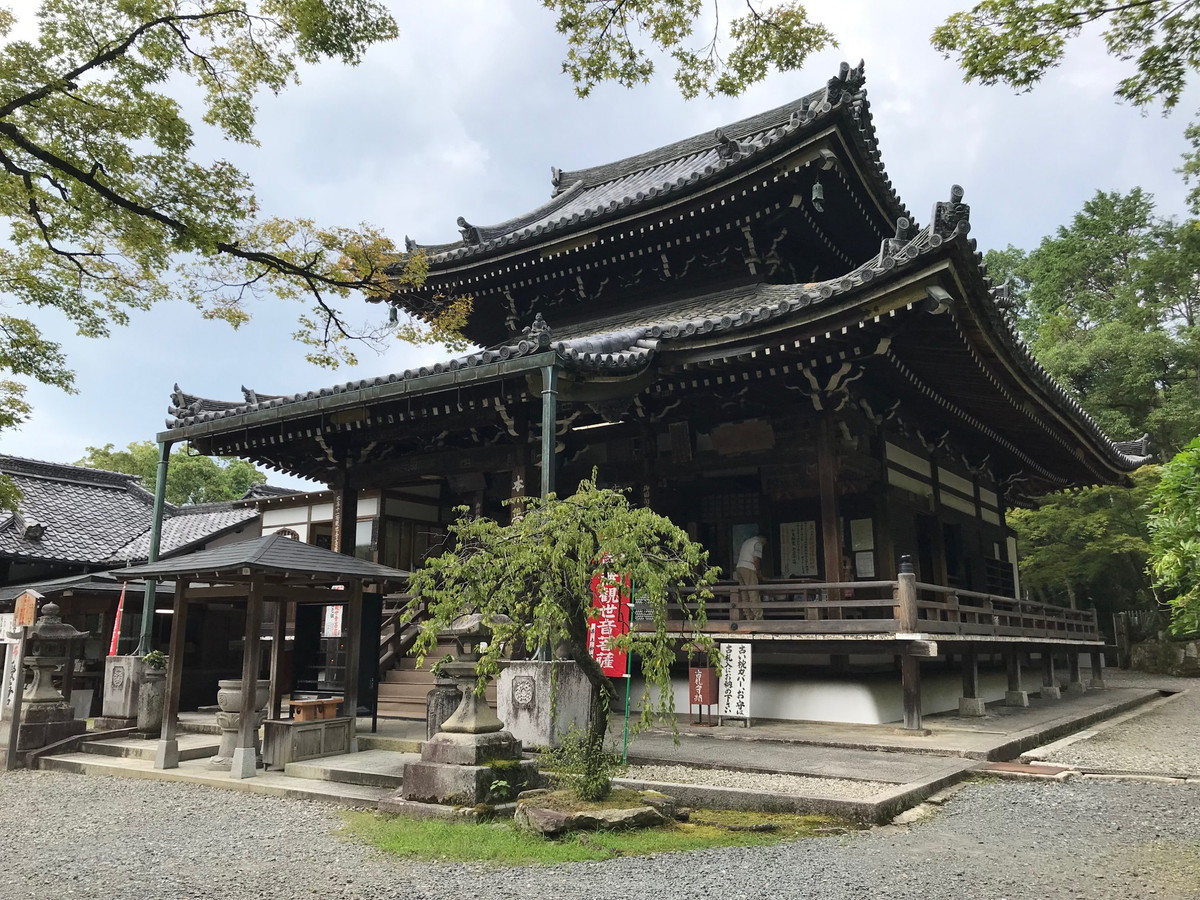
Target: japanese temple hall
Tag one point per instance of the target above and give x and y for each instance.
(749, 331)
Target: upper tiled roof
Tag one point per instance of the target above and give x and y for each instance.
(589, 196)
(73, 514)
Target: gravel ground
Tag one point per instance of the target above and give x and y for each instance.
(145, 840)
(759, 781)
(1160, 741)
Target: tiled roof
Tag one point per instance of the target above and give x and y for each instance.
(273, 553)
(73, 514)
(628, 341)
(588, 196)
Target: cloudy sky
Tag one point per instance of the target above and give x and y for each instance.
(467, 111)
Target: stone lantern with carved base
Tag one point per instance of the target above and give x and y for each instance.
(46, 717)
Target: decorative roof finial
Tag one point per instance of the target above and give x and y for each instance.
(539, 331)
(469, 232)
(953, 217)
(410, 245)
(726, 147)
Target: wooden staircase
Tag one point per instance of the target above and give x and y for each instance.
(403, 686)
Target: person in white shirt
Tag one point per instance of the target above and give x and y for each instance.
(749, 574)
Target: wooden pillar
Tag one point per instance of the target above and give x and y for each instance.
(1015, 696)
(831, 533)
(278, 636)
(166, 755)
(910, 682)
(1097, 683)
(345, 515)
(245, 756)
(910, 665)
(1050, 689)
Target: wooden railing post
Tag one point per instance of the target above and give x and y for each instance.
(906, 593)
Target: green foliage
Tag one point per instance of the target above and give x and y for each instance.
(531, 582)
(155, 659)
(190, 479)
(581, 766)
(1088, 545)
(1175, 537)
(613, 40)
(107, 207)
(1017, 41)
(1110, 306)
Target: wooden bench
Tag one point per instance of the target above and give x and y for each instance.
(315, 710)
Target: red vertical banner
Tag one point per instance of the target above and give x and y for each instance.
(609, 620)
(112, 647)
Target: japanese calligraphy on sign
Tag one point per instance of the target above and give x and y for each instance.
(735, 681)
(609, 620)
(798, 549)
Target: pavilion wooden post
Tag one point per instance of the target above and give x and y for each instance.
(1050, 690)
(910, 665)
(549, 426)
(353, 651)
(278, 630)
(970, 703)
(1097, 683)
(1015, 696)
(166, 755)
(245, 756)
(831, 534)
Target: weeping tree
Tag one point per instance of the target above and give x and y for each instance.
(1175, 538)
(532, 582)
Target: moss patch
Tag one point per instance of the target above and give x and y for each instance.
(502, 844)
(567, 801)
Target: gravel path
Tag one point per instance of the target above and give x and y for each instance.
(144, 840)
(759, 781)
(1160, 741)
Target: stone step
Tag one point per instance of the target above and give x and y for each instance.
(275, 784)
(370, 768)
(395, 743)
(191, 746)
(400, 709)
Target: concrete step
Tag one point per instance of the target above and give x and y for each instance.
(399, 709)
(371, 768)
(191, 746)
(408, 676)
(275, 784)
(395, 743)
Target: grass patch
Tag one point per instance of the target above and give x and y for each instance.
(501, 844)
(568, 801)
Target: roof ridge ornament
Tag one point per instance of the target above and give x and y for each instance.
(727, 148)
(556, 179)
(952, 217)
(539, 331)
(470, 233)
(905, 232)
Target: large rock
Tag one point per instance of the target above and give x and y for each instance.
(551, 822)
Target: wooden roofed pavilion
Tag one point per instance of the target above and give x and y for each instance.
(744, 328)
(267, 569)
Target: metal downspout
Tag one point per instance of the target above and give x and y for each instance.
(145, 644)
(549, 426)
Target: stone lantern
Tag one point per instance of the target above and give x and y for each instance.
(46, 717)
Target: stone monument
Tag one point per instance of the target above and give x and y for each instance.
(473, 764)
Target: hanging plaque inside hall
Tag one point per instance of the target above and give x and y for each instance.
(798, 549)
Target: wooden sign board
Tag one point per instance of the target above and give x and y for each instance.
(25, 609)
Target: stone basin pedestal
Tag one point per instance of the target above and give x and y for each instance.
(229, 698)
(472, 766)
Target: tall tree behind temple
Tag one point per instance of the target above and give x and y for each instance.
(1110, 305)
(190, 479)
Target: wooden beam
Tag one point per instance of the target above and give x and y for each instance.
(831, 535)
(353, 651)
(910, 682)
(278, 637)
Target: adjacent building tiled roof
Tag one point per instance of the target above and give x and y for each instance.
(73, 514)
(589, 196)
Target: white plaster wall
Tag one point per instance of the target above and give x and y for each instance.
(866, 699)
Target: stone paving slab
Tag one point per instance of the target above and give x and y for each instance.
(274, 784)
(191, 746)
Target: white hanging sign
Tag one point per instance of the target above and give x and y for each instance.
(735, 681)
